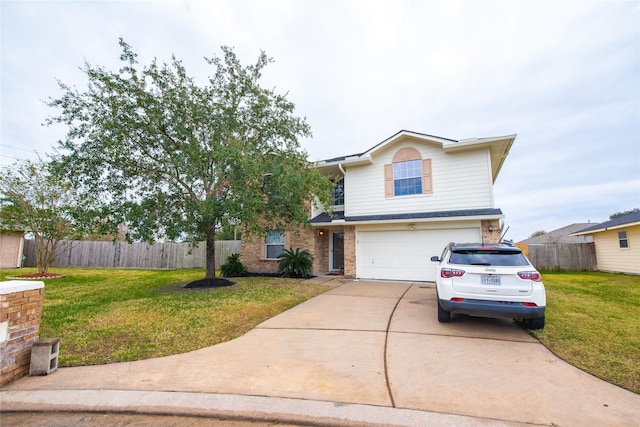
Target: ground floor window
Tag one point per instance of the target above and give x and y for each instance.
(274, 244)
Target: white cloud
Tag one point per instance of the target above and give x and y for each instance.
(563, 75)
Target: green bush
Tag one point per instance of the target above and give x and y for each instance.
(233, 267)
(295, 263)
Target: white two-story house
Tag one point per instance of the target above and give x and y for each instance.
(396, 205)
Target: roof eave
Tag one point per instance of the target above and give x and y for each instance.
(499, 147)
(406, 133)
(427, 217)
(349, 161)
(600, 230)
(425, 220)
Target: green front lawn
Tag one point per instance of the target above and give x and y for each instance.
(105, 316)
(593, 322)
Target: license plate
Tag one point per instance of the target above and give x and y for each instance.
(490, 280)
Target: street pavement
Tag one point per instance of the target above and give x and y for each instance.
(364, 353)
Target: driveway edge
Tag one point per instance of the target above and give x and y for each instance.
(226, 406)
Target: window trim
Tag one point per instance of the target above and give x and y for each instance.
(624, 239)
(408, 185)
(267, 245)
(338, 183)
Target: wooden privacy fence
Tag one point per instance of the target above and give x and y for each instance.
(561, 256)
(133, 255)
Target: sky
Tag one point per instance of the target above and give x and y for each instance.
(562, 75)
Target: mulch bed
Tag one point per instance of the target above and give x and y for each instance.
(219, 282)
(38, 276)
(209, 283)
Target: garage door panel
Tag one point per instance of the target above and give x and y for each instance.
(405, 254)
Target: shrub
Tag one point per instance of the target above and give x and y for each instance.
(295, 263)
(233, 267)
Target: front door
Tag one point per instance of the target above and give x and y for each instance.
(336, 261)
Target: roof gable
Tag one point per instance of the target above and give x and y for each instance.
(498, 146)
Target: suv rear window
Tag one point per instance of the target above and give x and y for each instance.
(488, 257)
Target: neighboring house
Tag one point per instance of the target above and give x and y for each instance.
(11, 248)
(562, 235)
(617, 243)
(395, 206)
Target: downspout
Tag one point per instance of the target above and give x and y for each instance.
(341, 169)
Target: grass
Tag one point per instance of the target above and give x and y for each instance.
(107, 316)
(593, 322)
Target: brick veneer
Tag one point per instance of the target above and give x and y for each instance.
(253, 250)
(350, 251)
(252, 254)
(491, 237)
(20, 312)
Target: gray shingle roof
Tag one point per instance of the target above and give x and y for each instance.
(561, 235)
(325, 218)
(424, 215)
(626, 219)
(341, 158)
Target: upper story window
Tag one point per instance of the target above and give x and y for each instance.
(408, 174)
(407, 178)
(623, 240)
(274, 244)
(337, 195)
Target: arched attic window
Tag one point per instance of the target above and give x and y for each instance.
(408, 174)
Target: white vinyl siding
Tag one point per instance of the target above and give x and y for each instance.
(613, 258)
(459, 181)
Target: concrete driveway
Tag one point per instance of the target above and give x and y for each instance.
(364, 352)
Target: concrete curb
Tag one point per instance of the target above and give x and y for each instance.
(226, 406)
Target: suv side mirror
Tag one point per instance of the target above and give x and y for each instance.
(435, 259)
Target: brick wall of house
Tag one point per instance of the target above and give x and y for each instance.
(253, 251)
(252, 256)
(494, 236)
(350, 251)
(20, 313)
(321, 253)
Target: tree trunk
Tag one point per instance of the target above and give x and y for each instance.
(210, 260)
(42, 254)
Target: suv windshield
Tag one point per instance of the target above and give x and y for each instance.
(488, 257)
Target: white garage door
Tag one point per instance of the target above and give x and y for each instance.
(405, 255)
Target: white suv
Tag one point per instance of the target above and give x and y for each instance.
(489, 281)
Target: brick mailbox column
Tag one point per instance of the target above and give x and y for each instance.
(20, 312)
